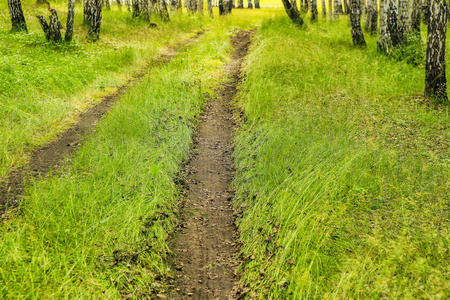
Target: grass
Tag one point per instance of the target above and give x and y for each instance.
(98, 227)
(45, 86)
(342, 171)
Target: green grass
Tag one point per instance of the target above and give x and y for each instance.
(45, 86)
(98, 228)
(342, 171)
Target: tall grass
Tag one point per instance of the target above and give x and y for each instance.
(98, 228)
(45, 86)
(342, 171)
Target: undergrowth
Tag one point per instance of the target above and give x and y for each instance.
(342, 171)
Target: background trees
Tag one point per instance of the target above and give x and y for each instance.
(398, 31)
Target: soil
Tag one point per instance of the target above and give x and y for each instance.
(51, 156)
(205, 245)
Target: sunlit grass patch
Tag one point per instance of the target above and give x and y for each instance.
(342, 171)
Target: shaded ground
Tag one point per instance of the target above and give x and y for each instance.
(205, 246)
(51, 156)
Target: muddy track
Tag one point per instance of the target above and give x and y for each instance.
(51, 156)
(205, 245)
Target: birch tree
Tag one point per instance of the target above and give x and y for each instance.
(416, 15)
(292, 11)
(355, 22)
(435, 79)
(17, 18)
(383, 42)
(324, 8)
(95, 20)
(404, 20)
(70, 19)
(314, 12)
(338, 8)
(392, 25)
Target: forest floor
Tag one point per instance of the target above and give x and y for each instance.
(205, 246)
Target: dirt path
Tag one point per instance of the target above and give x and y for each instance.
(53, 155)
(205, 246)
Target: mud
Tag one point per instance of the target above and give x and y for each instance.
(205, 246)
(51, 156)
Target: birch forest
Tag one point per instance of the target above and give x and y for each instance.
(224, 149)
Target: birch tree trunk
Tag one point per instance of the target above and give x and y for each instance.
(330, 9)
(163, 12)
(70, 18)
(119, 5)
(404, 20)
(128, 4)
(324, 8)
(108, 5)
(292, 12)
(240, 4)
(210, 8)
(250, 5)
(338, 8)
(372, 16)
(17, 19)
(416, 15)
(355, 22)
(95, 20)
(435, 79)
(257, 4)
(200, 7)
(136, 8)
(383, 33)
(392, 25)
(314, 12)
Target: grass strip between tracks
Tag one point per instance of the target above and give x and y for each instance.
(342, 171)
(98, 228)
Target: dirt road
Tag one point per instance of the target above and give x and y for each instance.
(205, 248)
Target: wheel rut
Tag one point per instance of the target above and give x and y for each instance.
(205, 245)
(52, 156)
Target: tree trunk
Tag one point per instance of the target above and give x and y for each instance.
(383, 33)
(426, 11)
(257, 4)
(355, 22)
(435, 79)
(17, 19)
(404, 20)
(338, 8)
(145, 10)
(330, 9)
(250, 5)
(200, 7)
(95, 20)
(324, 8)
(210, 8)
(136, 8)
(128, 4)
(292, 12)
(119, 5)
(240, 4)
(392, 25)
(372, 17)
(108, 5)
(87, 6)
(416, 16)
(163, 12)
(55, 26)
(230, 5)
(221, 8)
(44, 26)
(70, 18)
(345, 7)
(314, 12)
